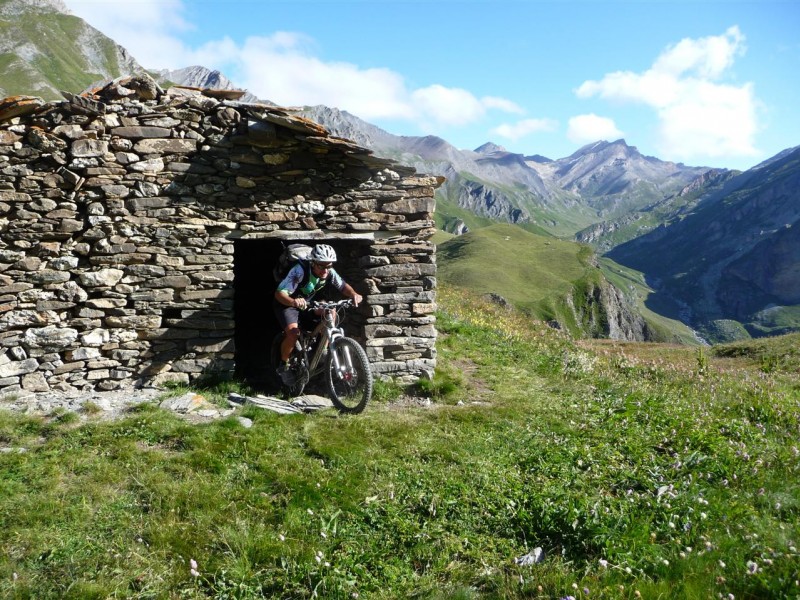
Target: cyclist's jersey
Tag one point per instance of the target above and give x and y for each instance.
(293, 285)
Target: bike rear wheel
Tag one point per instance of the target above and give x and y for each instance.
(299, 371)
(348, 376)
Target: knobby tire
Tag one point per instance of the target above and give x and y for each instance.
(301, 374)
(351, 393)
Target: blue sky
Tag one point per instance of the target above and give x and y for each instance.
(711, 82)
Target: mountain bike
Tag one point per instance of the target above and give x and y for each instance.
(327, 350)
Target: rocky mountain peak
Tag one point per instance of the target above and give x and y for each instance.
(489, 148)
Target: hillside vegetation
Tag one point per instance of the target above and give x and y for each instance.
(43, 51)
(541, 469)
(550, 280)
(534, 273)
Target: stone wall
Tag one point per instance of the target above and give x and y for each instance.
(120, 211)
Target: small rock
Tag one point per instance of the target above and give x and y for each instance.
(533, 557)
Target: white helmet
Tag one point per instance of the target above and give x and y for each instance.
(323, 253)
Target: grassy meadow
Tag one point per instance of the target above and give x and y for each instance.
(640, 471)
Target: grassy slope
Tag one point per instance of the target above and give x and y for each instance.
(537, 273)
(533, 272)
(637, 468)
(60, 62)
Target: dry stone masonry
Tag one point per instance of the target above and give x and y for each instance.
(120, 215)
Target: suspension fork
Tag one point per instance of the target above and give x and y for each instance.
(341, 370)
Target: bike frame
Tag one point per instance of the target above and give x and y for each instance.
(328, 333)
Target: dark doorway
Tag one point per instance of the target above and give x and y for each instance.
(254, 286)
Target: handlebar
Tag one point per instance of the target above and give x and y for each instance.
(316, 304)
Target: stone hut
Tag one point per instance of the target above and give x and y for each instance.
(139, 228)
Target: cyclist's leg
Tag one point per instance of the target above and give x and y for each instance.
(287, 318)
(290, 335)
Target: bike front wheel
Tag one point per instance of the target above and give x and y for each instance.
(348, 376)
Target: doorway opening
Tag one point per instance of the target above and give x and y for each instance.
(254, 287)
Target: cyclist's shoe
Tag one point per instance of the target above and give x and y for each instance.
(285, 373)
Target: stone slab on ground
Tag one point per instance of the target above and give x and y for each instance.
(297, 405)
(194, 404)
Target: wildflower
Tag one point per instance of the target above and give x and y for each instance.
(281, 537)
(628, 570)
(193, 568)
(665, 562)
(585, 591)
(752, 567)
(14, 576)
(603, 563)
(721, 564)
(192, 563)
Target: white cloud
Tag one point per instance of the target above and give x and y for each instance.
(455, 106)
(524, 128)
(502, 104)
(282, 67)
(147, 28)
(591, 128)
(699, 116)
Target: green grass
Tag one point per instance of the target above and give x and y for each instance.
(524, 268)
(59, 62)
(550, 279)
(631, 470)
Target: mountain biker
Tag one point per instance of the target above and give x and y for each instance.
(300, 285)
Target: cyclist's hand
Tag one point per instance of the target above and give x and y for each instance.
(300, 303)
(357, 299)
